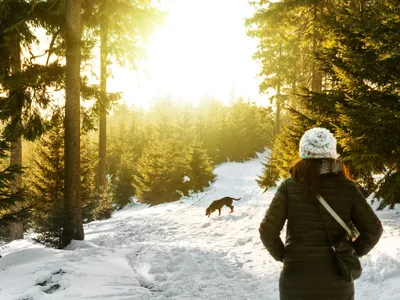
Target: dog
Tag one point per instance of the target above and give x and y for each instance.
(218, 204)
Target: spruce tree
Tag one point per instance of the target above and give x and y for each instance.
(123, 188)
(288, 34)
(290, 37)
(90, 198)
(270, 174)
(160, 173)
(104, 202)
(362, 62)
(199, 167)
(126, 143)
(47, 188)
(224, 136)
(8, 197)
(358, 101)
(209, 119)
(46, 185)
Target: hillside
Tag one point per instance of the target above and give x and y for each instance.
(173, 251)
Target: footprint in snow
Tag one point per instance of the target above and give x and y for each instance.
(50, 284)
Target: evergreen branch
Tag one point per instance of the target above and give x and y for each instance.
(50, 50)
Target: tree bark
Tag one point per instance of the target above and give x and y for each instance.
(294, 89)
(73, 223)
(361, 4)
(103, 103)
(316, 83)
(278, 108)
(17, 227)
(278, 99)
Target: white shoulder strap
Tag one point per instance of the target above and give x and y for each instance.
(334, 214)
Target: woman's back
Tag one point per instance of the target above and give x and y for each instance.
(310, 269)
(306, 239)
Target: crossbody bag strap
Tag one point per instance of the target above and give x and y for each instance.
(334, 214)
(326, 230)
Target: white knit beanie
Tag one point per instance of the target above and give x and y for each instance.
(318, 143)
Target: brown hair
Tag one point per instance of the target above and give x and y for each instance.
(308, 171)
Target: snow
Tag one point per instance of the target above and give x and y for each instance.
(173, 251)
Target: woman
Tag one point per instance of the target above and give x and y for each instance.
(310, 270)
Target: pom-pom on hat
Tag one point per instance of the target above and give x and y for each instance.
(318, 143)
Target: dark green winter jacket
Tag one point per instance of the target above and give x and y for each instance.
(309, 267)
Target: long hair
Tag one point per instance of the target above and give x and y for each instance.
(308, 171)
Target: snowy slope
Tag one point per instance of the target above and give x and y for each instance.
(173, 251)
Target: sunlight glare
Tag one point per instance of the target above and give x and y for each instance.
(201, 50)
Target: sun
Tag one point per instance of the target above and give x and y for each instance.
(201, 50)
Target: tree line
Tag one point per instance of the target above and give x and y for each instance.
(153, 156)
(171, 150)
(334, 64)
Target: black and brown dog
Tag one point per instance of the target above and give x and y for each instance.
(218, 204)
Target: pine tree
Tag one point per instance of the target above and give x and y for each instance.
(123, 188)
(47, 189)
(270, 174)
(104, 201)
(264, 130)
(90, 199)
(199, 167)
(291, 37)
(46, 185)
(160, 173)
(358, 100)
(362, 62)
(8, 197)
(224, 136)
(117, 137)
(288, 33)
(285, 146)
(126, 145)
(209, 120)
(389, 190)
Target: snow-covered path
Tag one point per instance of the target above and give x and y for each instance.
(173, 251)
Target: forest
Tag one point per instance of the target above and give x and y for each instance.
(73, 152)
(334, 64)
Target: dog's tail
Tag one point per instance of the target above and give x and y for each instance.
(236, 199)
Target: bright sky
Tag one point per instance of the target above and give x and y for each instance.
(201, 50)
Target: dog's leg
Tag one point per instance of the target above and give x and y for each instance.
(231, 207)
(219, 210)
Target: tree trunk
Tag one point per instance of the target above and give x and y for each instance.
(316, 84)
(278, 108)
(73, 222)
(278, 100)
(294, 91)
(361, 4)
(16, 228)
(103, 104)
